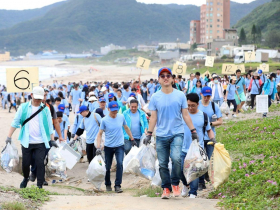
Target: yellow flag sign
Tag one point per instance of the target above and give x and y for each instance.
(143, 63)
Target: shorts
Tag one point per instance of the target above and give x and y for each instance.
(242, 98)
(75, 108)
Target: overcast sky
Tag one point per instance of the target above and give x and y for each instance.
(31, 4)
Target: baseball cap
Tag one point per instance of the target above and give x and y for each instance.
(102, 99)
(206, 91)
(164, 69)
(92, 98)
(129, 99)
(61, 107)
(260, 71)
(132, 95)
(100, 95)
(82, 109)
(103, 89)
(113, 106)
(111, 95)
(38, 93)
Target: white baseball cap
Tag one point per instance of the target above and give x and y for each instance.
(129, 99)
(38, 93)
(103, 89)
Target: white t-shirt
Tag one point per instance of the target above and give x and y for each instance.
(35, 136)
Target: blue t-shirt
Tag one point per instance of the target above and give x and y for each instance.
(271, 87)
(198, 91)
(247, 82)
(113, 130)
(126, 94)
(277, 79)
(169, 112)
(65, 102)
(195, 80)
(63, 126)
(209, 111)
(5, 95)
(240, 84)
(151, 88)
(91, 127)
(182, 84)
(216, 96)
(263, 78)
(198, 123)
(231, 91)
(54, 93)
(135, 125)
(255, 86)
(76, 95)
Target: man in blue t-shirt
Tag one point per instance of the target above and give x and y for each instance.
(215, 116)
(241, 89)
(197, 77)
(112, 125)
(150, 89)
(76, 98)
(278, 83)
(198, 120)
(169, 107)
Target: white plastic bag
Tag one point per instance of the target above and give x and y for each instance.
(196, 162)
(224, 108)
(56, 164)
(128, 158)
(96, 171)
(248, 97)
(147, 160)
(156, 181)
(102, 141)
(9, 157)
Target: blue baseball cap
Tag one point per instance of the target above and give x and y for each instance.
(132, 95)
(260, 71)
(164, 69)
(82, 109)
(100, 95)
(206, 91)
(61, 107)
(102, 99)
(111, 95)
(114, 106)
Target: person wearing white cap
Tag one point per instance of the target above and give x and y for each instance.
(36, 125)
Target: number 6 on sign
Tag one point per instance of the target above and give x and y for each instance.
(179, 69)
(22, 79)
(143, 63)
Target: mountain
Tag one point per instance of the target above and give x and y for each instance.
(78, 25)
(266, 16)
(10, 18)
(238, 11)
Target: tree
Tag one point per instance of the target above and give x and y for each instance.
(242, 37)
(254, 33)
(272, 39)
(259, 35)
(194, 46)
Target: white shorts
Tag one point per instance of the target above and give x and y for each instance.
(75, 108)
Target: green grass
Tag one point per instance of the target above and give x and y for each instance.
(254, 148)
(13, 206)
(149, 191)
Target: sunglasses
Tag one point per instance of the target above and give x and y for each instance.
(168, 76)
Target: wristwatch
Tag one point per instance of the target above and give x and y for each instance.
(211, 124)
(193, 130)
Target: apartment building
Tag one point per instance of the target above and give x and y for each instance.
(195, 31)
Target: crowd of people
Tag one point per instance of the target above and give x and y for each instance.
(181, 111)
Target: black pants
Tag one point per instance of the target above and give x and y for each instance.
(253, 96)
(91, 152)
(39, 151)
(278, 96)
(11, 105)
(233, 102)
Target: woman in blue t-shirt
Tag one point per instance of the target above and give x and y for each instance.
(197, 88)
(270, 90)
(255, 88)
(231, 90)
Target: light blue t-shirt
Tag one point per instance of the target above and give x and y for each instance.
(195, 80)
(255, 86)
(113, 130)
(240, 84)
(91, 127)
(263, 78)
(126, 94)
(54, 93)
(216, 96)
(65, 102)
(209, 111)
(76, 95)
(182, 84)
(151, 87)
(83, 94)
(231, 91)
(277, 79)
(247, 82)
(5, 95)
(198, 123)
(169, 112)
(63, 125)
(198, 91)
(271, 87)
(135, 125)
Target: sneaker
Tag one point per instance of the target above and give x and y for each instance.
(23, 184)
(165, 194)
(201, 186)
(40, 186)
(118, 189)
(45, 183)
(185, 190)
(192, 196)
(234, 115)
(32, 177)
(176, 190)
(108, 188)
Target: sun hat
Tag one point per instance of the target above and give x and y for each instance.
(92, 98)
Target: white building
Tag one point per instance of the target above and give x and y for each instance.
(145, 48)
(105, 50)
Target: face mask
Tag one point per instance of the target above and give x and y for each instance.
(273, 79)
(216, 81)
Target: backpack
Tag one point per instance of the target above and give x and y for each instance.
(9, 97)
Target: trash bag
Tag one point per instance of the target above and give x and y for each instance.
(96, 171)
(77, 146)
(147, 160)
(129, 157)
(56, 164)
(102, 141)
(196, 162)
(224, 108)
(9, 157)
(156, 181)
(248, 97)
(220, 165)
